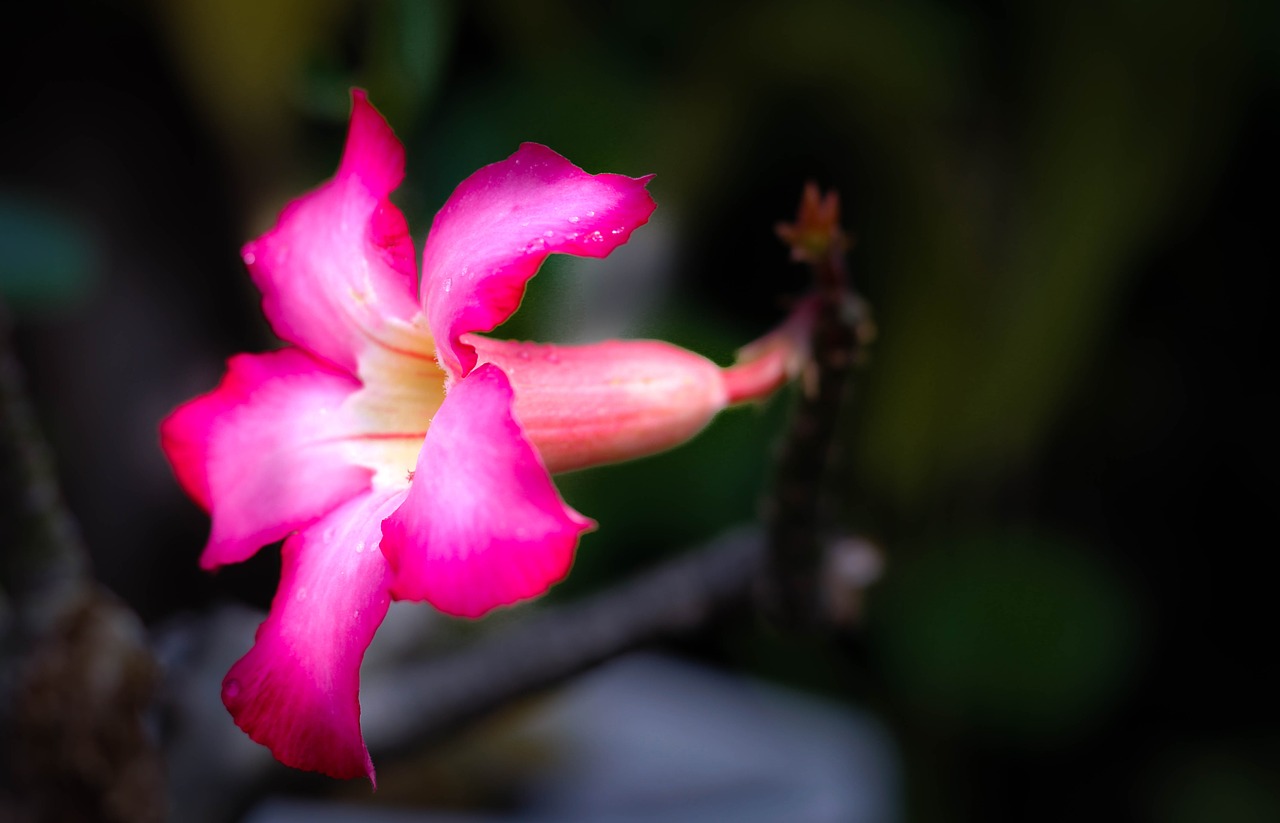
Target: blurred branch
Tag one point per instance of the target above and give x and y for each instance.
(77, 672)
(43, 553)
(798, 590)
(552, 645)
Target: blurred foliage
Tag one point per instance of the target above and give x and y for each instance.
(1012, 635)
(1215, 784)
(47, 259)
(241, 60)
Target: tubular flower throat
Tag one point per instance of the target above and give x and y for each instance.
(399, 454)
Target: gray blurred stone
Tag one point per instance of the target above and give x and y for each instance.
(648, 739)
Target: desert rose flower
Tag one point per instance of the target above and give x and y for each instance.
(397, 452)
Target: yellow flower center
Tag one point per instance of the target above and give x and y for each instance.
(402, 387)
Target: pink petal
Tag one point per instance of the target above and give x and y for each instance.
(501, 223)
(590, 405)
(297, 690)
(261, 453)
(483, 525)
(338, 267)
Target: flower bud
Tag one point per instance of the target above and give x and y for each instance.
(600, 403)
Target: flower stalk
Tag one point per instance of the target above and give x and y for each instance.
(794, 587)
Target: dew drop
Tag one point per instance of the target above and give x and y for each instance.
(573, 219)
(448, 284)
(301, 594)
(552, 357)
(232, 689)
(523, 354)
(250, 258)
(591, 214)
(360, 547)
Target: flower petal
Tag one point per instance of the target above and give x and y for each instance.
(337, 270)
(297, 690)
(501, 223)
(261, 451)
(482, 525)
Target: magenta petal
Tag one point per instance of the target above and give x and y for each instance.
(373, 152)
(338, 267)
(260, 452)
(482, 525)
(501, 223)
(297, 690)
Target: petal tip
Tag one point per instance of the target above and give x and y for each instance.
(296, 691)
(373, 152)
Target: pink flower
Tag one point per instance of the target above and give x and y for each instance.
(397, 453)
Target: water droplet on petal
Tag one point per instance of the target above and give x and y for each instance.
(232, 689)
(573, 219)
(250, 258)
(552, 357)
(548, 234)
(301, 594)
(448, 284)
(591, 214)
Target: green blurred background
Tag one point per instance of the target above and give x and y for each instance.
(1063, 212)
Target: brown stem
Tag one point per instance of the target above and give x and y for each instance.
(794, 590)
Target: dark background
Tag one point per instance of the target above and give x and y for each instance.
(1064, 216)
